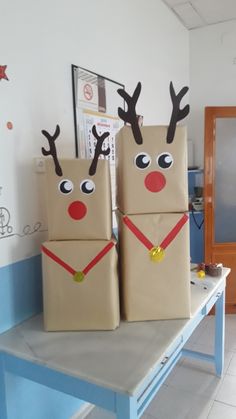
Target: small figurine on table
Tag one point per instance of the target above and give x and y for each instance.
(211, 269)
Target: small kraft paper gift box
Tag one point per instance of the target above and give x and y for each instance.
(152, 176)
(80, 285)
(152, 160)
(78, 204)
(155, 274)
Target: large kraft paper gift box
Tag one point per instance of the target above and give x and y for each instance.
(78, 205)
(80, 285)
(155, 283)
(138, 164)
(152, 198)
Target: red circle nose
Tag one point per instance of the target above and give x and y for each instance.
(155, 181)
(77, 210)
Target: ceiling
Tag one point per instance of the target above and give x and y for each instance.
(198, 13)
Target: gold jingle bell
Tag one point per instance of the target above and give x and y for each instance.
(157, 254)
(79, 276)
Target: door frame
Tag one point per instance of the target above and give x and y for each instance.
(212, 248)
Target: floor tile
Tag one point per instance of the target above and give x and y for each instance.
(227, 391)
(232, 366)
(205, 339)
(173, 403)
(98, 413)
(230, 320)
(196, 377)
(172, 374)
(198, 331)
(204, 336)
(221, 410)
(230, 332)
(207, 366)
(230, 339)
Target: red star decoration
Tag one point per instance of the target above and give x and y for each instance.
(3, 72)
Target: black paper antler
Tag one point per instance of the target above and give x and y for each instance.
(130, 116)
(177, 113)
(98, 150)
(52, 148)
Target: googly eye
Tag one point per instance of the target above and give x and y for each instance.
(87, 186)
(165, 160)
(142, 160)
(65, 186)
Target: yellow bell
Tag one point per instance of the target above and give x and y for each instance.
(157, 254)
(79, 276)
(201, 274)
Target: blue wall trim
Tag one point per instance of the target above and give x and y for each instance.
(21, 298)
(20, 291)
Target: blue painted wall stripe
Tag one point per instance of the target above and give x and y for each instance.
(20, 291)
(21, 298)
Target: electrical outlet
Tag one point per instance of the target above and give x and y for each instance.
(39, 164)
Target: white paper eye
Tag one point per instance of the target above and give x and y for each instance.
(165, 160)
(65, 186)
(142, 160)
(87, 186)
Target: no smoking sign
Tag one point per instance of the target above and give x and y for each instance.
(88, 91)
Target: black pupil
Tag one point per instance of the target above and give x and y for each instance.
(65, 187)
(165, 161)
(142, 161)
(87, 187)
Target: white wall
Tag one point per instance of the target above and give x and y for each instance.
(128, 41)
(212, 76)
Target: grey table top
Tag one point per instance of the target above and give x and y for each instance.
(120, 359)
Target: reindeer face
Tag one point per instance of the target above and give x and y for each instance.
(79, 205)
(152, 176)
(77, 210)
(152, 161)
(78, 193)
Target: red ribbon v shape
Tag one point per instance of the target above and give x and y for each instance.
(79, 275)
(146, 242)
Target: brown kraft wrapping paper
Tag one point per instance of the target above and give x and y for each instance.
(154, 290)
(92, 304)
(95, 207)
(133, 197)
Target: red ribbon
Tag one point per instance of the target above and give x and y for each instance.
(143, 239)
(58, 260)
(87, 268)
(98, 257)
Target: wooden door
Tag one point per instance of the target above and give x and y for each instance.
(220, 193)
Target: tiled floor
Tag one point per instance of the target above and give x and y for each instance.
(192, 391)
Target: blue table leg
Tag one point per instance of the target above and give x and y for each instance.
(3, 402)
(219, 334)
(126, 407)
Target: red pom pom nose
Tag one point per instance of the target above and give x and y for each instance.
(155, 181)
(77, 210)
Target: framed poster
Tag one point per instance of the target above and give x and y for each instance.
(95, 102)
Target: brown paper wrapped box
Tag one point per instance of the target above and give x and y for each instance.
(153, 290)
(75, 210)
(155, 158)
(69, 304)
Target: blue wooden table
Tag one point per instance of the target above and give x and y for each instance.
(120, 370)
